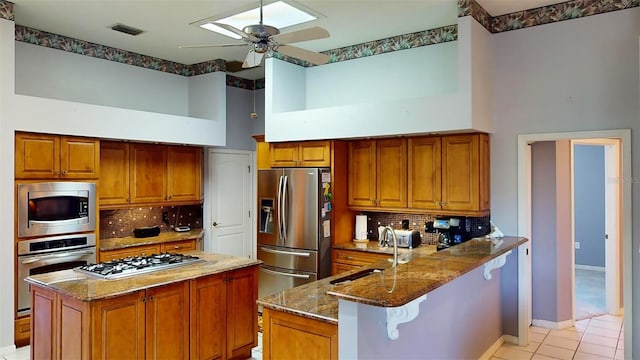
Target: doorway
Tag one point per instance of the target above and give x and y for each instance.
(229, 187)
(623, 138)
(596, 223)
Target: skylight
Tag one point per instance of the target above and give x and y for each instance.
(278, 14)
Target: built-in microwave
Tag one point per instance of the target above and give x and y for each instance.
(52, 208)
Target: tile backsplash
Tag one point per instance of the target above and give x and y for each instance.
(122, 222)
(416, 222)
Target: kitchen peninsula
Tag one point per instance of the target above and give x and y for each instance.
(205, 309)
(433, 286)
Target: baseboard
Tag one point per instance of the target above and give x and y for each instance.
(552, 324)
(492, 349)
(7, 349)
(590, 267)
(510, 339)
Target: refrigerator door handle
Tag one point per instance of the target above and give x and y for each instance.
(285, 209)
(279, 217)
(280, 252)
(272, 272)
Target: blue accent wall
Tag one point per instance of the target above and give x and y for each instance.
(589, 183)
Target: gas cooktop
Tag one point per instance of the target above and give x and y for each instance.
(130, 266)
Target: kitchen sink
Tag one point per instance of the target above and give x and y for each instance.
(355, 276)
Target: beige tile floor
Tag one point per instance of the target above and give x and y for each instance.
(600, 337)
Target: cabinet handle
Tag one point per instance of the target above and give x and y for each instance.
(443, 204)
(128, 199)
(151, 298)
(143, 299)
(57, 172)
(64, 172)
(177, 247)
(348, 257)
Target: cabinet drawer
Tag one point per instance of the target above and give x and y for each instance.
(130, 251)
(358, 258)
(178, 246)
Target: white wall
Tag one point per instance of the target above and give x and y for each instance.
(572, 75)
(57, 74)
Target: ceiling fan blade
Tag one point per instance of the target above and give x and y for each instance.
(211, 45)
(238, 32)
(303, 54)
(311, 33)
(253, 59)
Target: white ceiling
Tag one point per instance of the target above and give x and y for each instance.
(166, 23)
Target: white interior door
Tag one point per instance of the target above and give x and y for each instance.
(230, 179)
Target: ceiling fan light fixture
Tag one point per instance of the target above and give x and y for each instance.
(279, 14)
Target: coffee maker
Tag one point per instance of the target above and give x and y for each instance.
(451, 230)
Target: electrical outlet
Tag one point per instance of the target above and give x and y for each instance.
(165, 217)
(577, 245)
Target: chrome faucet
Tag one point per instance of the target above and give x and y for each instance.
(395, 243)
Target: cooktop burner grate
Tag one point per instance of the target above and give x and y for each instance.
(135, 265)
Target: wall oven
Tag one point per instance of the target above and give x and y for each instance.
(54, 208)
(47, 254)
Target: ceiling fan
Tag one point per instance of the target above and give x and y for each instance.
(264, 39)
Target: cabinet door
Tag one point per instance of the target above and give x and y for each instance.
(79, 158)
(184, 173)
(242, 312)
(167, 322)
(283, 154)
(37, 156)
(262, 153)
(460, 172)
(314, 154)
(148, 173)
(391, 173)
(114, 173)
(362, 173)
(208, 325)
(424, 176)
(118, 327)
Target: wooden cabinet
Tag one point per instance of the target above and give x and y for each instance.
(288, 336)
(44, 156)
(149, 174)
(129, 251)
(149, 324)
(148, 171)
(211, 317)
(22, 331)
(262, 153)
(114, 173)
(346, 260)
(378, 173)
(449, 173)
(226, 323)
(300, 154)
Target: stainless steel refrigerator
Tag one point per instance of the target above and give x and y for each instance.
(294, 239)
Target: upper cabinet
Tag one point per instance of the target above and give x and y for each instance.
(300, 154)
(434, 174)
(149, 173)
(378, 173)
(44, 156)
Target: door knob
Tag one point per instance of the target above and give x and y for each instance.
(216, 224)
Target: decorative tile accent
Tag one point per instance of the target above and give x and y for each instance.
(6, 10)
(559, 12)
(121, 222)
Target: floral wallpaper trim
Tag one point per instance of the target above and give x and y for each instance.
(559, 12)
(543, 15)
(6, 10)
(377, 47)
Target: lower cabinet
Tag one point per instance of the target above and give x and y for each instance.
(211, 317)
(346, 260)
(288, 336)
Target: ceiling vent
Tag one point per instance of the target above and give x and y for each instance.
(126, 29)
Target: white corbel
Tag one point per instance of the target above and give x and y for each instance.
(495, 264)
(402, 314)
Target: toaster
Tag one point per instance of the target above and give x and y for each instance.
(408, 238)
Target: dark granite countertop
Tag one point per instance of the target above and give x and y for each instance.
(88, 288)
(426, 271)
(167, 236)
(373, 247)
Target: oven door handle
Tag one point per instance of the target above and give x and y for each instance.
(272, 272)
(70, 254)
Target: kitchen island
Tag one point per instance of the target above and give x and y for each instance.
(205, 309)
(466, 305)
